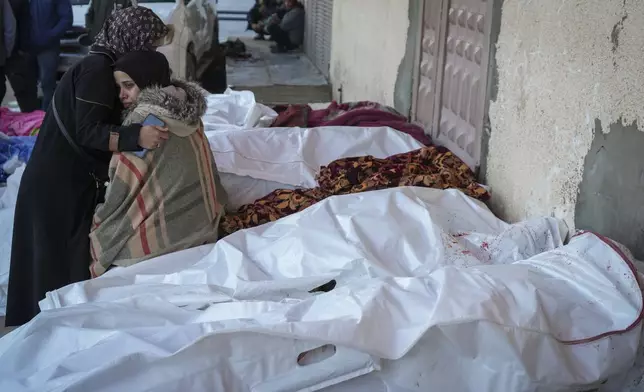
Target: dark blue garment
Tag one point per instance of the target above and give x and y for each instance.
(47, 73)
(50, 19)
(10, 146)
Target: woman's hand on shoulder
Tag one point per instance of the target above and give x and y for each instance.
(152, 136)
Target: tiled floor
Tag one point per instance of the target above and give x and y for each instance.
(277, 78)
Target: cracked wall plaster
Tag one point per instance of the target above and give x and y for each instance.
(562, 65)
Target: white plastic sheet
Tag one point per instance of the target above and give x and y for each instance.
(236, 110)
(244, 189)
(10, 195)
(294, 155)
(7, 208)
(254, 162)
(452, 298)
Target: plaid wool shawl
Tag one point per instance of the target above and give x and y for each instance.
(165, 201)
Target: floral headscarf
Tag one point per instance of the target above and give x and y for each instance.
(131, 29)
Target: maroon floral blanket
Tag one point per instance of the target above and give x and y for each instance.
(432, 167)
(358, 114)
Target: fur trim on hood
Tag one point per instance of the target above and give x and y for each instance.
(182, 101)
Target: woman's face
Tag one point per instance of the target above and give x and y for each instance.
(128, 90)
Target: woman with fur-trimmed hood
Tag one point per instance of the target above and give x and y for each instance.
(163, 200)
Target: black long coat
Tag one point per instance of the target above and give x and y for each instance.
(57, 195)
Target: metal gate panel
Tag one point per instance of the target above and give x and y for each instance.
(451, 105)
(465, 76)
(319, 26)
(309, 28)
(430, 64)
(325, 29)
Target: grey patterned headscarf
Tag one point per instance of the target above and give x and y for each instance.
(131, 29)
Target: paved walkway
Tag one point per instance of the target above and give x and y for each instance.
(277, 78)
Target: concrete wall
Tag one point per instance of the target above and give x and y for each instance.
(371, 56)
(565, 67)
(611, 194)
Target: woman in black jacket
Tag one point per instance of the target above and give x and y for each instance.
(61, 184)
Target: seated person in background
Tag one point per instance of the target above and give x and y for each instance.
(288, 30)
(161, 200)
(254, 15)
(262, 10)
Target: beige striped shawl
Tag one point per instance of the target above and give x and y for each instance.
(167, 200)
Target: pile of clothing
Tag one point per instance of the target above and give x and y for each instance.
(431, 167)
(356, 114)
(20, 124)
(17, 138)
(14, 152)
(235, 49)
